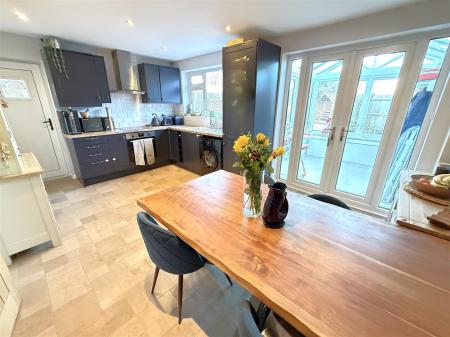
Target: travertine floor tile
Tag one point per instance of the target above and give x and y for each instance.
(97, 283)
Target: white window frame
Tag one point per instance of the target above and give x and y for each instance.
(189, 87)
(420, 40)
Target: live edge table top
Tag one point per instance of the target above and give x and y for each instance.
(328, 271)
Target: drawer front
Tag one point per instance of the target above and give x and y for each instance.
(85, 148)
(90, 140)
(93, 156)
(95, 168)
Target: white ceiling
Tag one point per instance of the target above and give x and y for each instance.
(186, 28)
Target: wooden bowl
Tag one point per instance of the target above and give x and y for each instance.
(427, 188)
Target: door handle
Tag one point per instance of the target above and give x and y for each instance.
(49, 122)
(343, 134)
(331, 135)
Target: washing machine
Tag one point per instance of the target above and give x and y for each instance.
(210, 154)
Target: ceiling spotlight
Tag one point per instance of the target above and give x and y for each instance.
(130, 23)
(228, 28)
(165, 49)
(21, 16)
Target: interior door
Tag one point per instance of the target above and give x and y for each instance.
(28, 114)
(319, 113)
(362, 136)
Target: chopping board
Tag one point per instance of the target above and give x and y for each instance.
(441, 218)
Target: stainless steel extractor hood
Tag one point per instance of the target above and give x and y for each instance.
(126, 79)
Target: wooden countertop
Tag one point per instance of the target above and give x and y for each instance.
(206, 131)
(329, 271)
(30, 166)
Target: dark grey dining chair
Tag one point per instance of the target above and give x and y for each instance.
(268, 180)
(248, 321)
(251, 324)
(169, 253)
(329, 200)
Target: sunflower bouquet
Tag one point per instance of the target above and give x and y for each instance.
(254, 156)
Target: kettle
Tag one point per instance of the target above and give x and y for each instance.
(155, 121)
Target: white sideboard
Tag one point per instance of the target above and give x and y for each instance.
(9, 301)
(26, 217)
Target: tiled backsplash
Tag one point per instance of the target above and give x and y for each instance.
(128, 111)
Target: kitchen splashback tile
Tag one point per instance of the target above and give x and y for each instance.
(128, 111)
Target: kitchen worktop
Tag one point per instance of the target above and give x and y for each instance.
(206, 131)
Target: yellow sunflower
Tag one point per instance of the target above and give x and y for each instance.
(240, 143)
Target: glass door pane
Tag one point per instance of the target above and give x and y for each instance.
(429, 73)
(375, 92)
(291, 107)
(323, 88)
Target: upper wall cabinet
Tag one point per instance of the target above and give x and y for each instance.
(79, 79)
(161, 84)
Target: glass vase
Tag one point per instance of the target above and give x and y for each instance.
(252, 193)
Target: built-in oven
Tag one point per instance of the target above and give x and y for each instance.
(133, 136)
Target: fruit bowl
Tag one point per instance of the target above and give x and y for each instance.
(422, 183)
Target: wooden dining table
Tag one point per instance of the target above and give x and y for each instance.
(328, 272)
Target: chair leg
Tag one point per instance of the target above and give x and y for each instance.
(229, 280)
(180, 296)
(155, 277)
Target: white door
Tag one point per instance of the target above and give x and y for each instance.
(345, 120)
(321, 111)
(29, 115)
(364, 133)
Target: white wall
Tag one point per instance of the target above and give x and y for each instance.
(202, 61)
(413, 18)
(416, 17)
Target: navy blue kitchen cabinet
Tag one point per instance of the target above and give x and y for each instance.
(250, 85)
(191, 150)
(101, 79)
(82, 84)
(118, 150)
(169, 78)
(149, 83)
(162, 146)
(160, 84)
(99, 158)
(175, 146)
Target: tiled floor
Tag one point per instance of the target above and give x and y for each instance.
(97, 282)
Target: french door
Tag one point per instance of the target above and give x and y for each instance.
(347, 107)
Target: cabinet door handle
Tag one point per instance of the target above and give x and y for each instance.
(93, 147)
(91, 138)
(94, 155)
